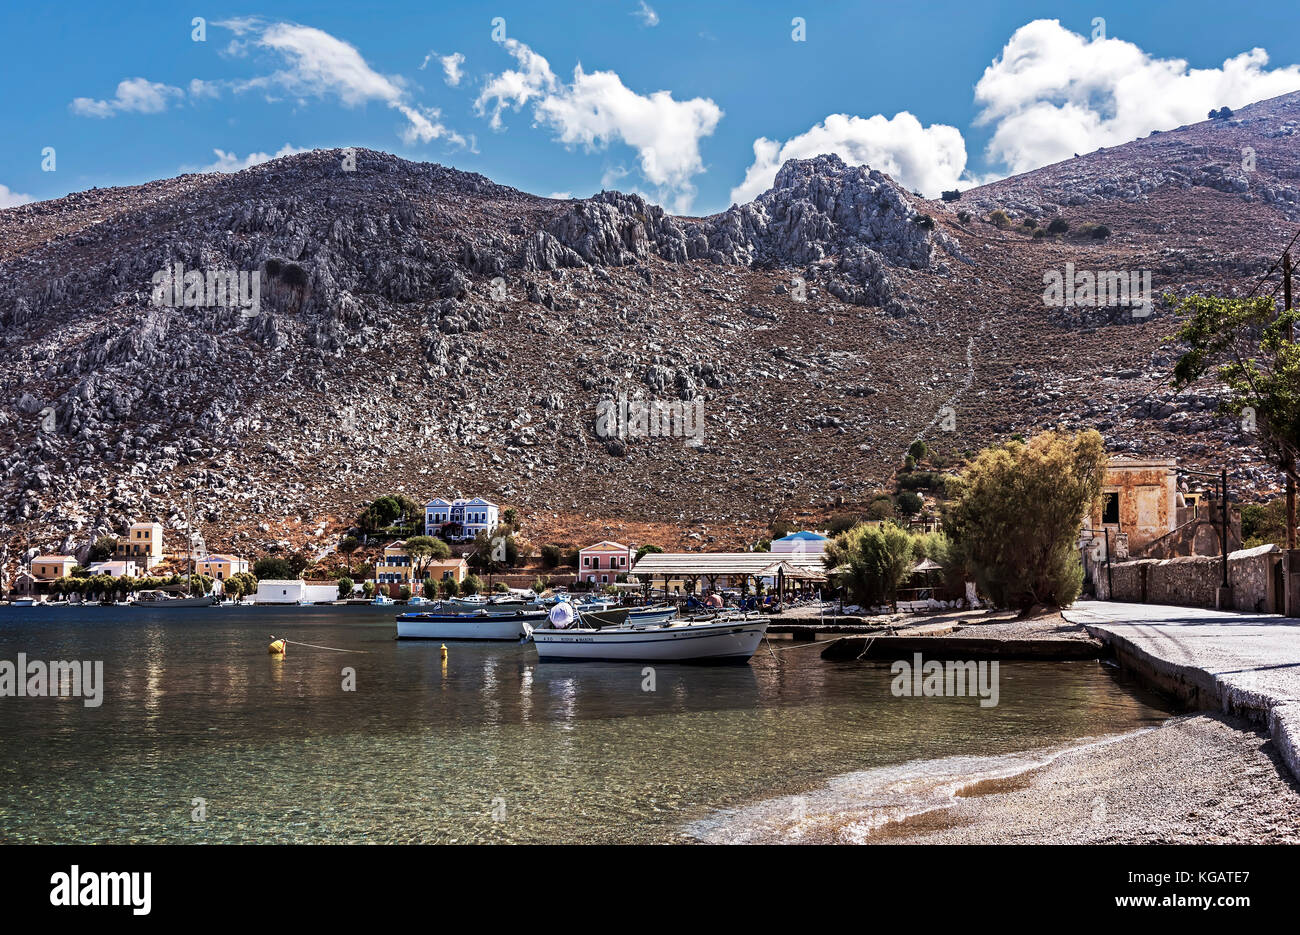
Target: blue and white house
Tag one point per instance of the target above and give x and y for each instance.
(800, 544)
(462, 519)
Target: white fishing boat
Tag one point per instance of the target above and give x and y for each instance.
(23, 602)
(476, 626)
(569, 637)
(381, 600)
(164, 599)
(653, 615)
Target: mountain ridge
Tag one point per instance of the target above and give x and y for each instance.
(822, 325)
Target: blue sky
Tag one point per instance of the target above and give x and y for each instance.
(670, 99)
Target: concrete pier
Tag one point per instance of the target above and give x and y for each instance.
(1247, 664)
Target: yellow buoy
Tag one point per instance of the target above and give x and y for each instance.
(276, 648)
(444, 652)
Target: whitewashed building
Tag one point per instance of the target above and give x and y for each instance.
(461, 519)
(810, 544)
(295, 591)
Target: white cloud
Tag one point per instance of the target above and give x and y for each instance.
(200, 88)
(596, 109)
(229, 162)
(451, 68)
(515, 88)
(1052, 92)
(646, 14)
(318, 65)
(927, 159)
(560, 196)
(134, 95)
(11, 199)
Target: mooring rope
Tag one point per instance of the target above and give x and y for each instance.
(330, 648)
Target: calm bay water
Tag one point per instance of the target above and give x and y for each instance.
(491, 746)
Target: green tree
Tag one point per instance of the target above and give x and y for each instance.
(1248, 347)
(103, 549)
(247, 584)
(472, 584)
(348, 546)
(644, 551)
(501, 587)
(404, 592)
(909, 503)
(551, 555)
(917, 449)
(276, 569)
(368, 589)
(424, 549)
(1262, 523)
(346, 586)
(878, 559)
(1016, 521)
(429, 588)
(449, 587)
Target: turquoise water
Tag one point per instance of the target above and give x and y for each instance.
(493, 746)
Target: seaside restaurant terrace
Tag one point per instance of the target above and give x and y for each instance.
(719, 570)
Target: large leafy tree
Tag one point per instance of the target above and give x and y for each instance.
(1016, 520)
(1249, 348)
(423, 549)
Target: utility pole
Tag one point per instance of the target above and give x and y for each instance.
(1290, 458)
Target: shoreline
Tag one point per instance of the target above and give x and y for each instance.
(1194, 779)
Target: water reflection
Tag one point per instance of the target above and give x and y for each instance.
(578, 752)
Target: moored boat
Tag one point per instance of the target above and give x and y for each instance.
(571, 636)
(163, 599)
(474, 626)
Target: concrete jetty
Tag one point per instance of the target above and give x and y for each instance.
(1240, 663)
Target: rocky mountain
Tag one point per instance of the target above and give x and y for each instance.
(423, 330)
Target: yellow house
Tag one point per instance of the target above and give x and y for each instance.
(444, 569)
(143, 544)
(394, 566)
(49, 567)
(220, 566)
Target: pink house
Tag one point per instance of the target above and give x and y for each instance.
(603, 562)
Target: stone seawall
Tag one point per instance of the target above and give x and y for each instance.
(1194, 581)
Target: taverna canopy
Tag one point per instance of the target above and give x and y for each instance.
(703, 564)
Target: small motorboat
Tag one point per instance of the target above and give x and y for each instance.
(381, 600)
(480, 625)
(570, 636)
